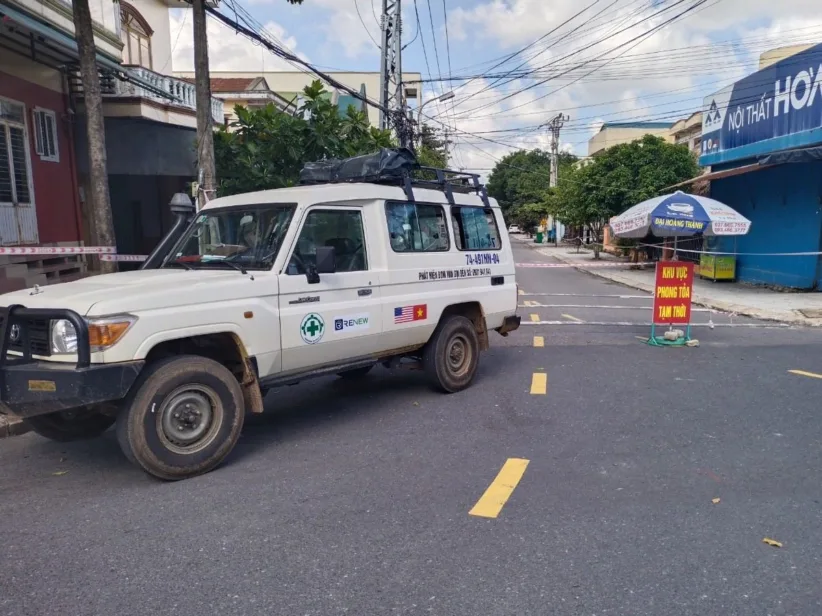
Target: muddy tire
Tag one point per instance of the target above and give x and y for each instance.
(451, 357)
(182, 418)
(74, 425)
(355, 373)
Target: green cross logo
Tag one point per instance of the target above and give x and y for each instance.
(312, 328)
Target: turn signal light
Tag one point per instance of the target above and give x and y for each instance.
(102, 335)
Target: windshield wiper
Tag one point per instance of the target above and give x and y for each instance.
(231, 264)
(182, 264)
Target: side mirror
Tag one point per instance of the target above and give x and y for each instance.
(326, 260)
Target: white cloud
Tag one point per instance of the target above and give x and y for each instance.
(227, 50)
(344, 26)
(661, 78)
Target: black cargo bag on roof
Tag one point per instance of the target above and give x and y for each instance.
(386, 164)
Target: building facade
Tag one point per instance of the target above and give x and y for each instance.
(688, 131)
(40, 200)
(762, 137)
(615, 133)
(290, 84)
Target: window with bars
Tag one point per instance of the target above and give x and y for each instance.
(45, 135)
(14, 160)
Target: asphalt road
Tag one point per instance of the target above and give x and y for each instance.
(355, 499)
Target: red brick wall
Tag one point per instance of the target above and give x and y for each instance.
(56, 194)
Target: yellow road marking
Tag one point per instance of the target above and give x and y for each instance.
(491, 503)
(535, 318)
(539, 341)
(813, 375)
(539, 383)
(568, 316)
(521, 292)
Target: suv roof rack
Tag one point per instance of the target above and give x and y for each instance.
(393, 167)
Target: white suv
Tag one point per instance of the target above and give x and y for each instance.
(261, 290)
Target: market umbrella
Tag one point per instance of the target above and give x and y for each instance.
(679, 215)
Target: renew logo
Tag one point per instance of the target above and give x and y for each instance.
(353, 322)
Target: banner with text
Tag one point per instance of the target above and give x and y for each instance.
(672, 293)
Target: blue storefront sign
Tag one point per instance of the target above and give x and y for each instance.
(777, 108)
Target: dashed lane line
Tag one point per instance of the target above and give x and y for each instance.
(535, 318)
(539, 341)
(493, 500)
(539, 384)
(572, 318)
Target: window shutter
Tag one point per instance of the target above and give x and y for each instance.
(38, 133)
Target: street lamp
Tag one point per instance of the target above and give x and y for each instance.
(445, 97)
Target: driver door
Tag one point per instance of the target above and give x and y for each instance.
(339, 318)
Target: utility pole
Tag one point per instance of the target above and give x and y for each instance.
(393, 114)
(98, 213)
(206, 173)
(555, 125)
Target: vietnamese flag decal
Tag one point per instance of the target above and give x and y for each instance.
(421, 312)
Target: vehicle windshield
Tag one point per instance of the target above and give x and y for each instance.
(249, 236)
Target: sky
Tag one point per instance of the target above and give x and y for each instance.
(594, 60)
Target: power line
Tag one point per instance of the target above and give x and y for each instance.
(584, 63)
(362, 21)
(573, 53)
(516, 53)
(289, 56)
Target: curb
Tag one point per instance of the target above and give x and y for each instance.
(11, 426)
(701, 300)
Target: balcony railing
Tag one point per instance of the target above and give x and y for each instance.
(183, 92)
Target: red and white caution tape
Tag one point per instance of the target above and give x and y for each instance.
(581, 264)
(57, 250)
(123, 257)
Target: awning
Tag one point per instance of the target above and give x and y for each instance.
(68, 47)
(718, 175)
(802, 155)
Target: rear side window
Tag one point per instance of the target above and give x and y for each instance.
(417, 227)
(475, 228)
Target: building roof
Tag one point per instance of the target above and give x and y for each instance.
(649, 125)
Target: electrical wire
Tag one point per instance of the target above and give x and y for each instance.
(362, 21)
(637, 39)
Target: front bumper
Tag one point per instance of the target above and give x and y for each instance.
(509, 324)
(30, 387)
(37, 388)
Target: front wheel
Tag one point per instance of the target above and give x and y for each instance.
(183, 417)
(73, 425)
(451, 357)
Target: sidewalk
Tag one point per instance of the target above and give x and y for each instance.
(795, 308)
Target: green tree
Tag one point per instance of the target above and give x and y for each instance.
(618, 178)
(433, 149)
(523, 178)
(266, 148)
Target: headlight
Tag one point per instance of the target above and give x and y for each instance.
(63, 337)
(102, 334)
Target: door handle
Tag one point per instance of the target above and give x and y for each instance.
(364, 292)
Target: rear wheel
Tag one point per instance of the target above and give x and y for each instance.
(451, 357)
(73, 425)
(355, 373)
(183, 417)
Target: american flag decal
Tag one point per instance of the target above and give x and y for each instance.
(407, 314)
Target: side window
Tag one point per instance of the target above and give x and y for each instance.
(417, 227)
(341, 229)
(475, 228)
